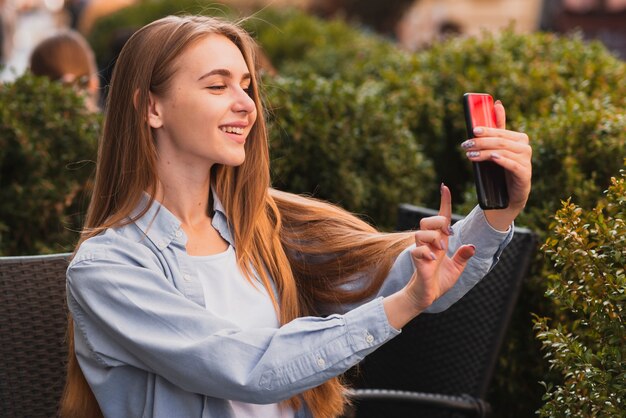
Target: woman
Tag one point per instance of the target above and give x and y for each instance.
(198, 291)
(68, 58)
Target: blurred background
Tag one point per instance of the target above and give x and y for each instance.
(413, 24)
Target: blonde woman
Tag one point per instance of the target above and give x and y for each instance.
(199, 291)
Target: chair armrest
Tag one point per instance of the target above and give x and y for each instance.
(463, 403)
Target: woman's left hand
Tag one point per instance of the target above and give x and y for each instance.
(512, 151)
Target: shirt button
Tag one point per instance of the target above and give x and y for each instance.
(369, 338)
(178, 233)
(321, 362)
(187, 277)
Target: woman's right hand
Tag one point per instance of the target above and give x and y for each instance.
(435, 272)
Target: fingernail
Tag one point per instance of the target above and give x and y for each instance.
(441, 186)
(478, 131)
(433, 257)
(472, 154)
(442, 244)
(498, 102)
(495, 156)
(468, 144)
(473, 251)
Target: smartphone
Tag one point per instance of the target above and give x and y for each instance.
(489, 177)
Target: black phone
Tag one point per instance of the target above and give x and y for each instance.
(489, 177)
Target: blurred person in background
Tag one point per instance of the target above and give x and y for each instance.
(68, 58)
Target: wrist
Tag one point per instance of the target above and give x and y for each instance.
(501, 219)
(400, 308)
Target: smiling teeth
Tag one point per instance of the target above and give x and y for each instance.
(232, 129)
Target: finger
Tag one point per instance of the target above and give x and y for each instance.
(433, 239)
(483, 131)
(463, 255)
(516, 166)
(522, 157)
(424, 253)
(437, 223)
(500, 114)
(494, 143)
(433, 222)
(445, 205)
(445, 211)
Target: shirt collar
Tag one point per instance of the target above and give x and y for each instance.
(217, 203)
(162, 227)
(220, 221)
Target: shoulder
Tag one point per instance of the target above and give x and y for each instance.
(112, 261)
(125, 245)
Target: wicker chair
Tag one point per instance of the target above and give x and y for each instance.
(33, 319)
(441, 364)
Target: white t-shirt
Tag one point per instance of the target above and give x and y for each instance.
(229, 295)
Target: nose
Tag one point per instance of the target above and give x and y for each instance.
(243, 102)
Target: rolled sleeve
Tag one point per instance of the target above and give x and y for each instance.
(489, 242)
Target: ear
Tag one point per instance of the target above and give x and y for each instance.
(154, 112)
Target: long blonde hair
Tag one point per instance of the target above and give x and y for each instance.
(307, 247)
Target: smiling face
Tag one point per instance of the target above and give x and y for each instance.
(206, 114)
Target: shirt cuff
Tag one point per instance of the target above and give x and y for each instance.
(368, 326)
(478, 232)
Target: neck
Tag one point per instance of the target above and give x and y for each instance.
(185, 192)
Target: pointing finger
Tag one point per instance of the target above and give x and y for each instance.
(445, 206)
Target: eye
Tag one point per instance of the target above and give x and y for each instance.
(248, 90)
(217, 87)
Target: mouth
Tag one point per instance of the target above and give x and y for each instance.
(237, 130)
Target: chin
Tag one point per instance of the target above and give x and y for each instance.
(235, 161)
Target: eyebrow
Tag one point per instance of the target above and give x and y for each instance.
(225, 73)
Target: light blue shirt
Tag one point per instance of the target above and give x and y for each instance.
(148, 346)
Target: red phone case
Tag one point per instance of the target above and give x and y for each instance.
(479, 111)
(489, 177)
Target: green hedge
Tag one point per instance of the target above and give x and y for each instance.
(47, 149)
(588, 248)
(531, 74)
(299, 44)
(340, 141)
